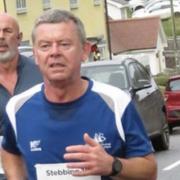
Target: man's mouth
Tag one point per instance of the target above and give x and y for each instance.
(3, 44)
(56, 65)
(3, 47)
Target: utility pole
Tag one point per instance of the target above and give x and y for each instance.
(174, 36)
(5, 7)
(108, 30)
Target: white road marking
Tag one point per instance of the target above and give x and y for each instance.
(177, 163)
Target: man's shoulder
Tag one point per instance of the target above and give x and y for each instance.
(29, 70)
(26, 60)
(17, 101)
(110, 91)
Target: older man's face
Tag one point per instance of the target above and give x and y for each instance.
(9, 38)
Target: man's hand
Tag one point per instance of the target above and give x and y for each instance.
(91, 158)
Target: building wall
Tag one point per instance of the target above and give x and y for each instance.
(116, 10)
(160, 54)
(1, 6)
(93, 17)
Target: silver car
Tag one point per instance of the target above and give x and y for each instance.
(135, 79)
(26, 51)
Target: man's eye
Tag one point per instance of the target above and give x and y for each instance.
(44, 47)
(8, 31)
(65, 45)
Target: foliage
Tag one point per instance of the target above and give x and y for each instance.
(129, 12)
(168, 26)
(161, 79)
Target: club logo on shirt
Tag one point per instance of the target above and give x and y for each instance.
(35, 145)
(100, 138)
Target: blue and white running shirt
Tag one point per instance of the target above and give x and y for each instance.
(40, 130)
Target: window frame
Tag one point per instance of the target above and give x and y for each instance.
(46, 4)
(21, 6)
(97, 2)
(74, 4)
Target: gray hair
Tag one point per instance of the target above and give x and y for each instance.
(57, 16)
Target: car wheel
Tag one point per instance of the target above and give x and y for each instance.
(161, 142)
(170, 129)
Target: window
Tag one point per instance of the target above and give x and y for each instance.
(97, 2)
(21, 6)
(110, 74)
(175, 85)
(46, 4)
(73, 4)
(139, 75)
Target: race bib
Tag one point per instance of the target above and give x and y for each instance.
(59, 172)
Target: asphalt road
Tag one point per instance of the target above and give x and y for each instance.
(169, 161)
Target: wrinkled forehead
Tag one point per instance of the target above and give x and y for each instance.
(70, 24)
(59, 28)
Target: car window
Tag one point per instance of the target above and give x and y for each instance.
(114, 75)
(138, 75)
(26, 51)
(175, 85)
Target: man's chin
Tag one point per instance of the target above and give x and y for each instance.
(5, 57)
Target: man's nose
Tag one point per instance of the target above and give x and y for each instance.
(55, 49)
(1, 34)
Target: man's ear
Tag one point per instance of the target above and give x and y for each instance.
(34, 53)
(86, 50)
(19, 37)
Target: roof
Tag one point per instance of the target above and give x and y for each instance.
(122, 2)
(134, 34)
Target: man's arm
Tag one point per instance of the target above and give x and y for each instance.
(13, 166)
(94, 160)
(144, 168)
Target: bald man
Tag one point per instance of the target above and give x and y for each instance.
(17, 72)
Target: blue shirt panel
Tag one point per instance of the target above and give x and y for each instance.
(55, 126)
(137, 141)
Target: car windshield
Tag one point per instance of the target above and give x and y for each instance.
(114, 75)
(175, 85)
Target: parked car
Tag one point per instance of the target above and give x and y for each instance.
(172, 99)
(132, 77)
(26, 51)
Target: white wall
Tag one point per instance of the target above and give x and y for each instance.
(116, 10)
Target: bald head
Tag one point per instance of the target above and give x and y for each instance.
(10, 20)
(10, 38)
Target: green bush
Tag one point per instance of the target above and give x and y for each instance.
(161, 79)
(167, 25)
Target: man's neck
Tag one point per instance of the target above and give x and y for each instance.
(8, 67)
(9, 75)
(66, 93)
